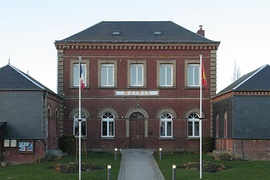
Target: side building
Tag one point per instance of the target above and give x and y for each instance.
(241, 116)
(29, 117)
(141, 84)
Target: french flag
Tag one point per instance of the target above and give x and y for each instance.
(81, 77)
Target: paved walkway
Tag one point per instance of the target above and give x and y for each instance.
(139, 164)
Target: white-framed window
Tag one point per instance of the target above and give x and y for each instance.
(76, 125)
(136, 75)
(76, 74)
(193, 125)
(166, 125)
(107, 75)
(107, 125)
(193, 75)
(166, 75)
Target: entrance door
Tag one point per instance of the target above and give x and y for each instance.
(136, 129)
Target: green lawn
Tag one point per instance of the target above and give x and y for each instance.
(41, 171)
(236, 169)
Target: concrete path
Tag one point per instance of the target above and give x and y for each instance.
(139, 164)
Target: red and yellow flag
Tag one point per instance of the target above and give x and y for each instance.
(204, 80)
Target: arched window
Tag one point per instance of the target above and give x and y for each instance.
(107, 125)
(217, 126)
(49, 112)
(225, 124)
(76, 125)
(166, 125)
(193, 125)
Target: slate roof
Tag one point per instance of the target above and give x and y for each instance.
(2, 124)
(136, 32)
(257, 80)
(12, 78)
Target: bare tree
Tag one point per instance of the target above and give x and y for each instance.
(236, 72)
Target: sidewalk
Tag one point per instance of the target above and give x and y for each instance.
(139, 164)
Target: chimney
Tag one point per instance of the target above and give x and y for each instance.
(201, 31)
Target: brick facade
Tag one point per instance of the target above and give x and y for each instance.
(179, 99)
(13, 156)
(252, 149)
(122, 100)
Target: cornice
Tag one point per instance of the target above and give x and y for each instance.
(253, 93)
(221, 97)
(194, 46)
(241, 93)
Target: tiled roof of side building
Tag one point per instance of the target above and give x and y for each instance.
(257, 80)
(12, 78)
(136, 32)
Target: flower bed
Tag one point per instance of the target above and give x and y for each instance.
(74, 167)
(207, 166)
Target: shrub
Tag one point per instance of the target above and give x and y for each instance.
(228, 157)
(68, 144)
(208, 144)
(207, 166)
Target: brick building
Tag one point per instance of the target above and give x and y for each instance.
(241, 116)
(29, 114)
(141, 85)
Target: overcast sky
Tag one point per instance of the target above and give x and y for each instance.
(29, 28)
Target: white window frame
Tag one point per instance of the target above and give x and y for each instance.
(76, 125)
(193, 75)
(108, 119)
(76, 74)
(139, 77)
(193, 120)
(168, 77)
(165, 119)
(109, 75)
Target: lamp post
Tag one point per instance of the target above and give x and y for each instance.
(115, 154)
(160, 154)
(173, 172)
(109, 172)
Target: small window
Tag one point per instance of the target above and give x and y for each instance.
(193, 75)
(76, 125)
(107, 75)
(76, 74)
(136, 75)
(157, 33)
(193, 125)
(166, 75)
(107, 125)
(166, 125)
(116, 33)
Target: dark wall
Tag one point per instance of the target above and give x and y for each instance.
(219, 108)
(22, 111)
(252, 118)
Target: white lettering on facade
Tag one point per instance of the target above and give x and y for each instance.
(136, 93)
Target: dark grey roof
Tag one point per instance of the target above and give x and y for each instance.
(2, 124)
(12, 78)
(136, 32)
(257, 80)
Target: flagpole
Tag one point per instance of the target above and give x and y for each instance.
(80, 120)
(200, 121)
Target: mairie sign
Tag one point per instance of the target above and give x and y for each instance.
(136, 93)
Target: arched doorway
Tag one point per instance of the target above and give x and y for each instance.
(136, 129)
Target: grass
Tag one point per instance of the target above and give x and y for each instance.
(236, 169)
(40, 171)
